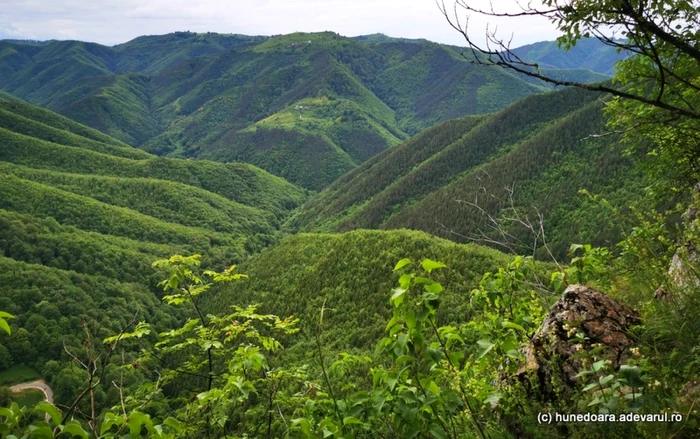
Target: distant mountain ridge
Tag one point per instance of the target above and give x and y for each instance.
(308, 106)
(455, 179)
(588, 53)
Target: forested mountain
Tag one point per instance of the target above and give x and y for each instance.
(313, 236)
(307, 107)
(286, 280)
(588, 53)
(83, 216)
(454, 179)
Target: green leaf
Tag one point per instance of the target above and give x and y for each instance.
(434, 288)
(484, 347)
(351, 420)
(510, 325)
(606, 379)
(49, 409)
(433, 388)
(303, 424)
(557, 281)
(437, 432)
(405, 280)
(632, 376)
(429, 265)
(591, 386)
(5, 327)
(73, 428)
(136, 421)
(402, 263)
(173, 423)
(397, 297)
(598, 365)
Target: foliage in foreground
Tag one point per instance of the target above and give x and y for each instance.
(220, 376)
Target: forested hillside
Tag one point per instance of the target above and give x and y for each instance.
(531, 158)
(83, 216)
(347, 274)
(313, 236)
(588, 53)
(307, 107)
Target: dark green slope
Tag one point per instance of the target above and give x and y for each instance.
(118, 105)
(589, 53)
(32, 128)
(238, 182)
(538, 148)
(428, 83)
(48, 118)
(47, 70)
(78, 80)
(83, 216)
(8, 97)
(168, 201)
(48, 303)
(152, 54)
(350, 274)
(44, 241)
(305, 106)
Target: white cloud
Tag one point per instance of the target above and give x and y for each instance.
(117, 21)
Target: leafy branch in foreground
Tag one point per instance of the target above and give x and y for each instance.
(4, 317)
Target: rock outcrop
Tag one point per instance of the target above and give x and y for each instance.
(552, 356)
(683, 272)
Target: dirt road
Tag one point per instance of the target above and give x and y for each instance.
(38, 384)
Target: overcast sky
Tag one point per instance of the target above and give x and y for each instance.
(116, 21)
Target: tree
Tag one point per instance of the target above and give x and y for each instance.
(656, 90)
(5, 396)
(5, 357)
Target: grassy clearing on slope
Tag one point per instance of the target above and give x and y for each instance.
(19, 373)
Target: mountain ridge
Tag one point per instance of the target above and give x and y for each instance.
(190, 95)
(461, 179)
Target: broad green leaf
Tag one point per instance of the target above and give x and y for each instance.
(434, 288)
(40, 430)
(351, 420)
(429, 265)
(303, 424)
(598, 365)
(606, 379)
(402, 263)
(73, 428)
(405, 281)
(173, 423)
(433, 387)
(5, 327)
(397, 297)
(484, 347)
(49, 409)
(632, 376)
(438, 432)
